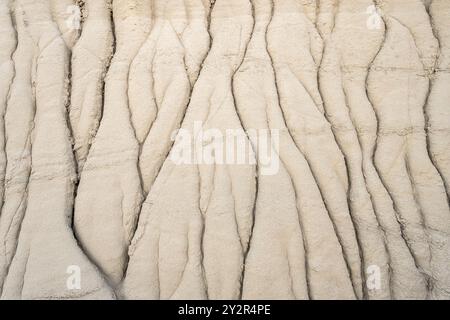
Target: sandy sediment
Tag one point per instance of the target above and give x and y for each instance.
(47, 221)
(228, 149)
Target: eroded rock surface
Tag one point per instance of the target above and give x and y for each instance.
(228, 149)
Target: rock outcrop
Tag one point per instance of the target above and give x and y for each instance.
(228, 149)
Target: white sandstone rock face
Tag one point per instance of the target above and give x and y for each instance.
(228, 149)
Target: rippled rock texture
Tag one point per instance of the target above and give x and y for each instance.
(101, 100)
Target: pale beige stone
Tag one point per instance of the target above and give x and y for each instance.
(98, 96)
